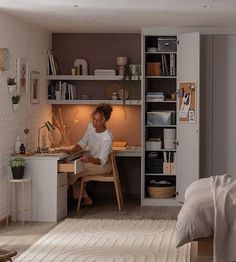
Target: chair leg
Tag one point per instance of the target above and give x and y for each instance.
(117, 194)
(120, 191)
(80, 194)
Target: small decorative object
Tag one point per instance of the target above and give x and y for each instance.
(73, 71)
(15, 101)
(22, 75)
(123, 94)
(114, 95)
(121, 62)
(152, 49)
(81, 66)
(34, 87)
(17, 145)
(85, 96)
(127, 73)
(11, 85)
(111, 88)
(18, 167)
(4, 59)
(135, 71)
(22, 149)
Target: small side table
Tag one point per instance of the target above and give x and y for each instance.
(25, 183)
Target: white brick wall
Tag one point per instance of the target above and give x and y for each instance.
(32, 43)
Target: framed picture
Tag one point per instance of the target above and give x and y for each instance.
(34, 87)
(22, 75)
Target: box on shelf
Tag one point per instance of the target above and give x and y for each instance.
(166, 168)
(154, 164)
(166, 44)
(161, 118)
(173, 168)
(169, 138)
(153, 68)
(153, 144)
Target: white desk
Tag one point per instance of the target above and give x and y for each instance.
(128, 151)
(49, 188)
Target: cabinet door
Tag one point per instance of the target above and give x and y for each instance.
(188, 66)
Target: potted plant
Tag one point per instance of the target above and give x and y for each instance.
(18, 167)
(15, 101)
(11, 85)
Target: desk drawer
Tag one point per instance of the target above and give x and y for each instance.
(75, 167)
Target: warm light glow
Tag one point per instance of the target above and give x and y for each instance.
(124, 123)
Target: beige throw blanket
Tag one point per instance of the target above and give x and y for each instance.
(224, 197)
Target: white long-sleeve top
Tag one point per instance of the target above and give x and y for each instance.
(99, 144)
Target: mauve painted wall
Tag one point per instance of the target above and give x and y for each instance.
(100, 50)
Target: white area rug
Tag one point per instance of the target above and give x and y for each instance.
(104, 240)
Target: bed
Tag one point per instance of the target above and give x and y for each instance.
(209, 212)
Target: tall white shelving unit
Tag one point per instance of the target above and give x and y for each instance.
(187, 63)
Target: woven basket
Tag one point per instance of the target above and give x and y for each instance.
(161, 192)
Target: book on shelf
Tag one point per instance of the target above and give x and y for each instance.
(105, 72)
(53, 64)
(172, 65)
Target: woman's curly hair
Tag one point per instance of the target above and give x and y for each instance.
(105, 110)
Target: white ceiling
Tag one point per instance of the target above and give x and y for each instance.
(115, 16)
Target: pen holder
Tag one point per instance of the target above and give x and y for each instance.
(166, 168)
(173, 168)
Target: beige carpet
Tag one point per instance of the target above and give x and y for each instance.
(104, 240)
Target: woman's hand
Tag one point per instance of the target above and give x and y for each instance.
(90, 159)
(86, 159)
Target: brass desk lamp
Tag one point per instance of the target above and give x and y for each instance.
(49, 127)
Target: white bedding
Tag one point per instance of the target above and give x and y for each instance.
(224, 197)
(196, 218)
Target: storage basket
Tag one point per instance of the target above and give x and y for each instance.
(161, 192)
(166, 44)
(153, 69)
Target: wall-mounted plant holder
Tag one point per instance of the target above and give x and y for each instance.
(11, 86)
(15, 102)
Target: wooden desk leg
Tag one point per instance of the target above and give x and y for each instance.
(205, 247)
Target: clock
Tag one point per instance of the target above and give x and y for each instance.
(4, 59)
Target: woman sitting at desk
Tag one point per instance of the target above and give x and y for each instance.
(99, 140)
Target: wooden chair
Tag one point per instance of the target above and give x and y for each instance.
(113, 176)
(6, 255)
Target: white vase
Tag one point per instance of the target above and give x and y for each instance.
(15, 106)
(12, 89)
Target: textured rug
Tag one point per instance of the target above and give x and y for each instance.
(103, 240)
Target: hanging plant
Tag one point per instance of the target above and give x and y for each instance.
(15, 102)
(15, 99)
(11, 85)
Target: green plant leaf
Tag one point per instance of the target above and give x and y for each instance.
(17, 162)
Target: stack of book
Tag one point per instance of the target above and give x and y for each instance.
(62, 91)
(155, 96)
(168, 64)
(103, 72)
